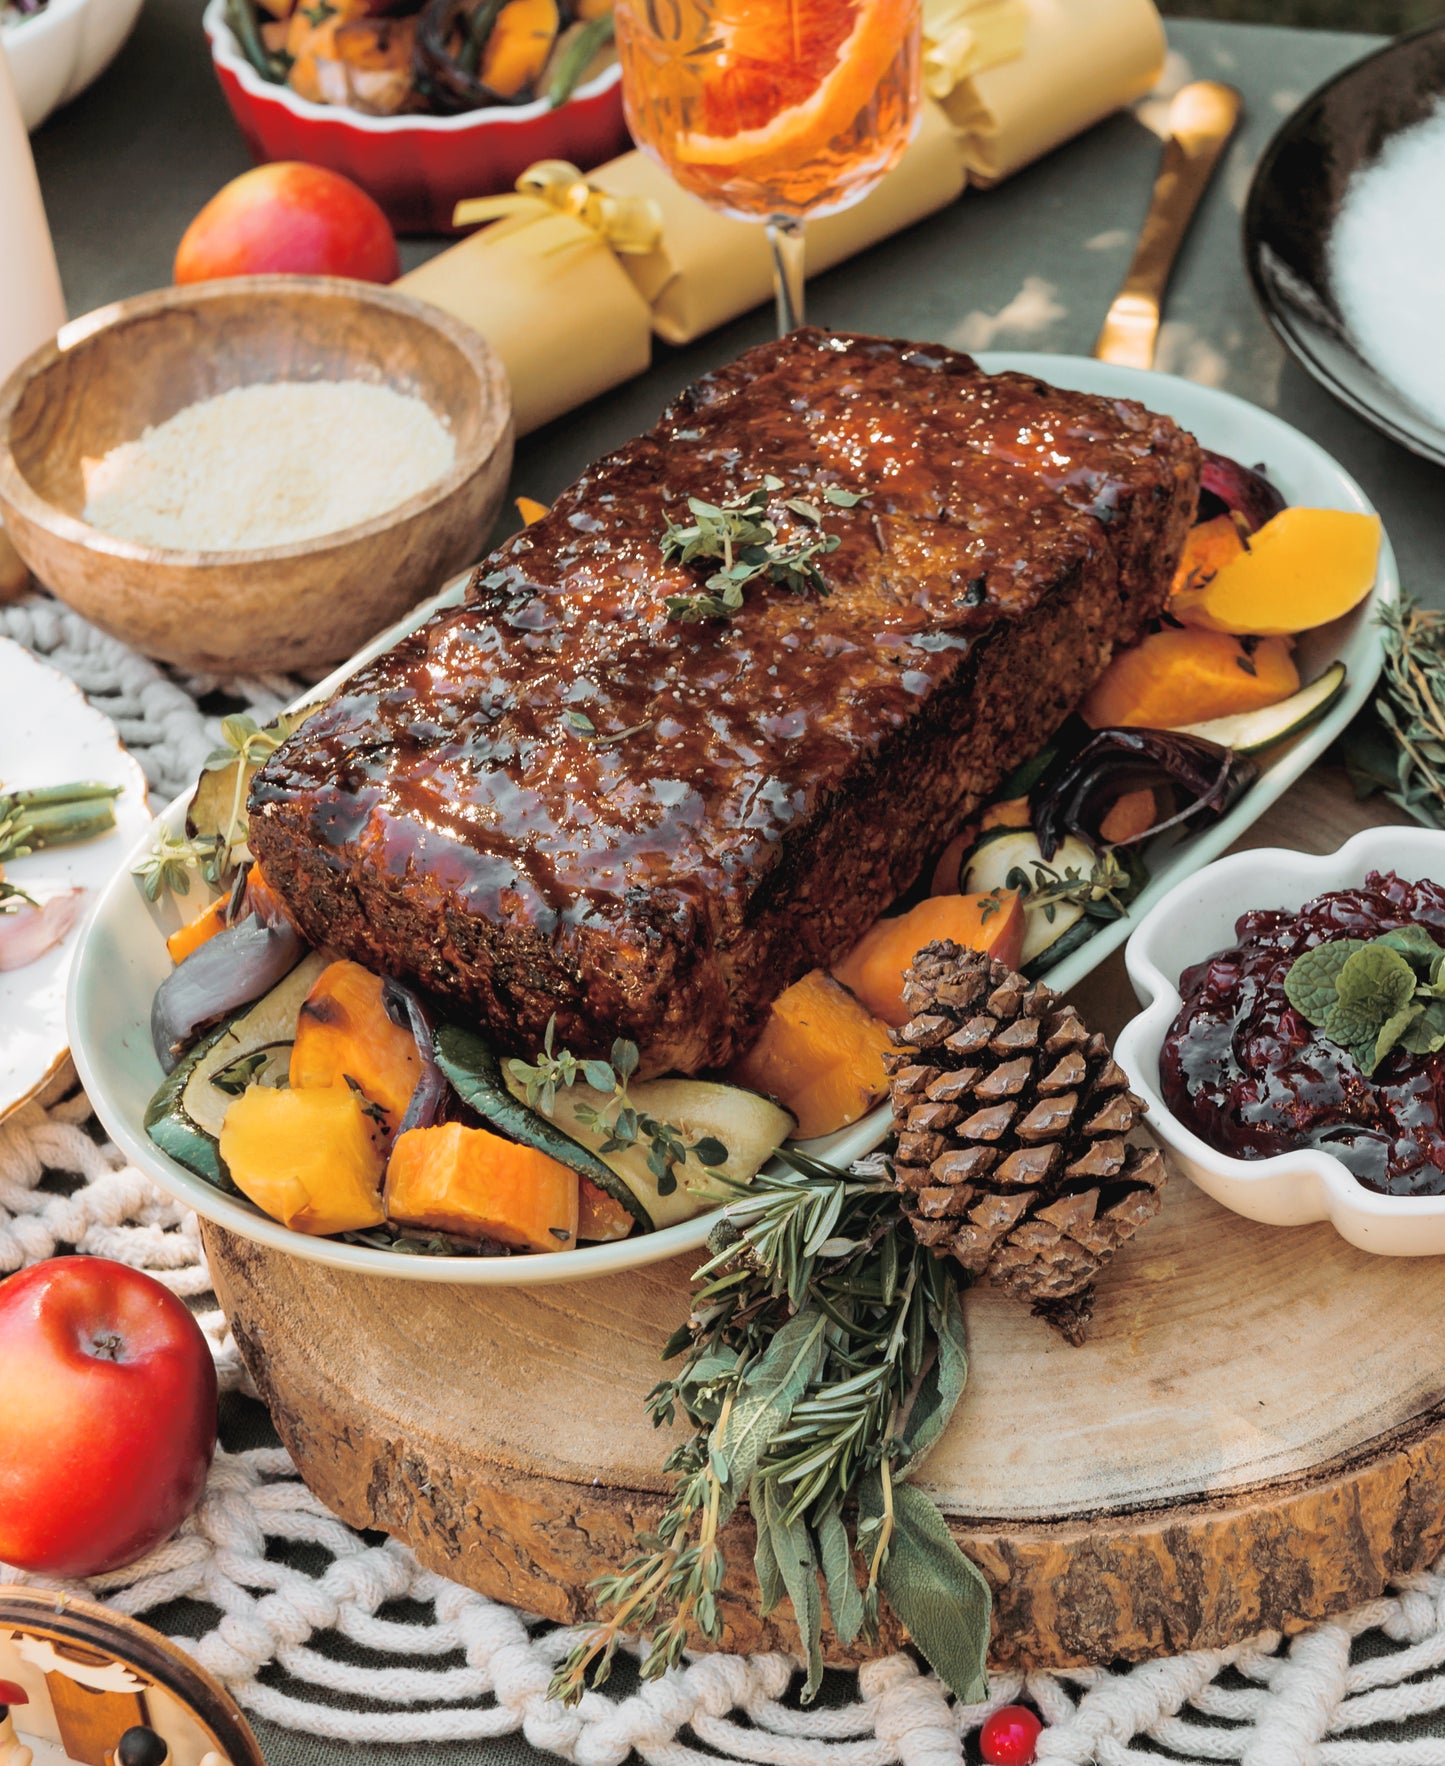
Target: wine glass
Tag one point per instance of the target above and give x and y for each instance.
(773, 110)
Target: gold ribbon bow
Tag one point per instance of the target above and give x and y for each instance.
(631, 225)
(962, 38)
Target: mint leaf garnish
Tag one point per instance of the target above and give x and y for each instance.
(1416, 945)
(1426, 1036)
(1310, 987)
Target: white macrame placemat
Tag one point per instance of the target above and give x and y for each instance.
(1323, 1699)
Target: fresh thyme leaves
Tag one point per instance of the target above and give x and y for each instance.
(13, 898)
(1370, 996)
(619, 1118)
(1102, 894)
(823, 1356)
(740, 535)
(217, 850)
(1399, 747)
(171, 859)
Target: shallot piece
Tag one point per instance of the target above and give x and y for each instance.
(29, 929)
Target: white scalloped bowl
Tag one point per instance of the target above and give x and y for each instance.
(55, 54)
(1197, 918)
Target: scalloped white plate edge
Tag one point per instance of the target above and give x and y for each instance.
(114, 977)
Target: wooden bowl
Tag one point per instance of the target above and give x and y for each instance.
(108, 377)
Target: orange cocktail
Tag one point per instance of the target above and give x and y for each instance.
(772, 109)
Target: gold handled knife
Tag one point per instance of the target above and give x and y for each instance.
(1202, 117)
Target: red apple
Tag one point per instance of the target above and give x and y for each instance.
(289, 217)
(107, 1416)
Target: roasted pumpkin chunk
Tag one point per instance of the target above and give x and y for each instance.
(820, 1055)
(343, 1033)
(471, 1182)
(310, 1159)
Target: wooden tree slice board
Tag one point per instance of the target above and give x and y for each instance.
(1253, 1436)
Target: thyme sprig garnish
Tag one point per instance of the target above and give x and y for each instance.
(619, 1119)
(168, 865)
(579, 724)
(1102, 894)
(741, 536)
(1399, 746)
(822, 1359)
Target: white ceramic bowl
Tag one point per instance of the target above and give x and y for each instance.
(55, 54)
(1197, 918)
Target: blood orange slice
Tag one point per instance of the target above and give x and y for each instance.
(790, 77)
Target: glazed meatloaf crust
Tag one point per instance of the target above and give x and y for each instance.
(559, 798)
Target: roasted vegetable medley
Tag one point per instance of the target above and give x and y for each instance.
(337, 1101)
(440, 57)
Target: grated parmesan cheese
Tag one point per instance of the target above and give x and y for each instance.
(269, 465)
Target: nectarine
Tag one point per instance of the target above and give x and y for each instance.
(293, 218)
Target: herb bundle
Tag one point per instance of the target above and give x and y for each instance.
(1373, 995)
(741, 537)
(822, 1360)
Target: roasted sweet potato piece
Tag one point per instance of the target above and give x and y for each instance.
(343, 1032)
(197, 931)
(820, 1055)
(1177, 677)
(518, 46)
(471, 1182)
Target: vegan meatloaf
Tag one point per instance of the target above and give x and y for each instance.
(561, 798)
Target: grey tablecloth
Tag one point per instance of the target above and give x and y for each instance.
(1030, 265)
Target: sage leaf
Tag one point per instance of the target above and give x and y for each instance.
(1311, 985)
(845, 1601)
(942, 1384)
(941, 1597)
(765, 1559)
(797, 1560)
(765, 1397)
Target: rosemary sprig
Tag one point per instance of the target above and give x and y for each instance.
(1102, 894)
(623, 1124)
(740, 535)
(822, 1359)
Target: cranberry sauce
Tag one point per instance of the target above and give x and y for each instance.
(1253, 1078)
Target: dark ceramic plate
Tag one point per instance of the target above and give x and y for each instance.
(1292, 207)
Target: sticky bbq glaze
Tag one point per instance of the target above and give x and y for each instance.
(758, 789)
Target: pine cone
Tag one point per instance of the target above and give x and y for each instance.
(1012, 1123)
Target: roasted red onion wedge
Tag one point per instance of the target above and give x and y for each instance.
(228, 971)
(1077, 798)
(429, 1093)
(1225, 485)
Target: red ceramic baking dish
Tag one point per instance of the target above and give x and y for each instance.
(417, 167)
